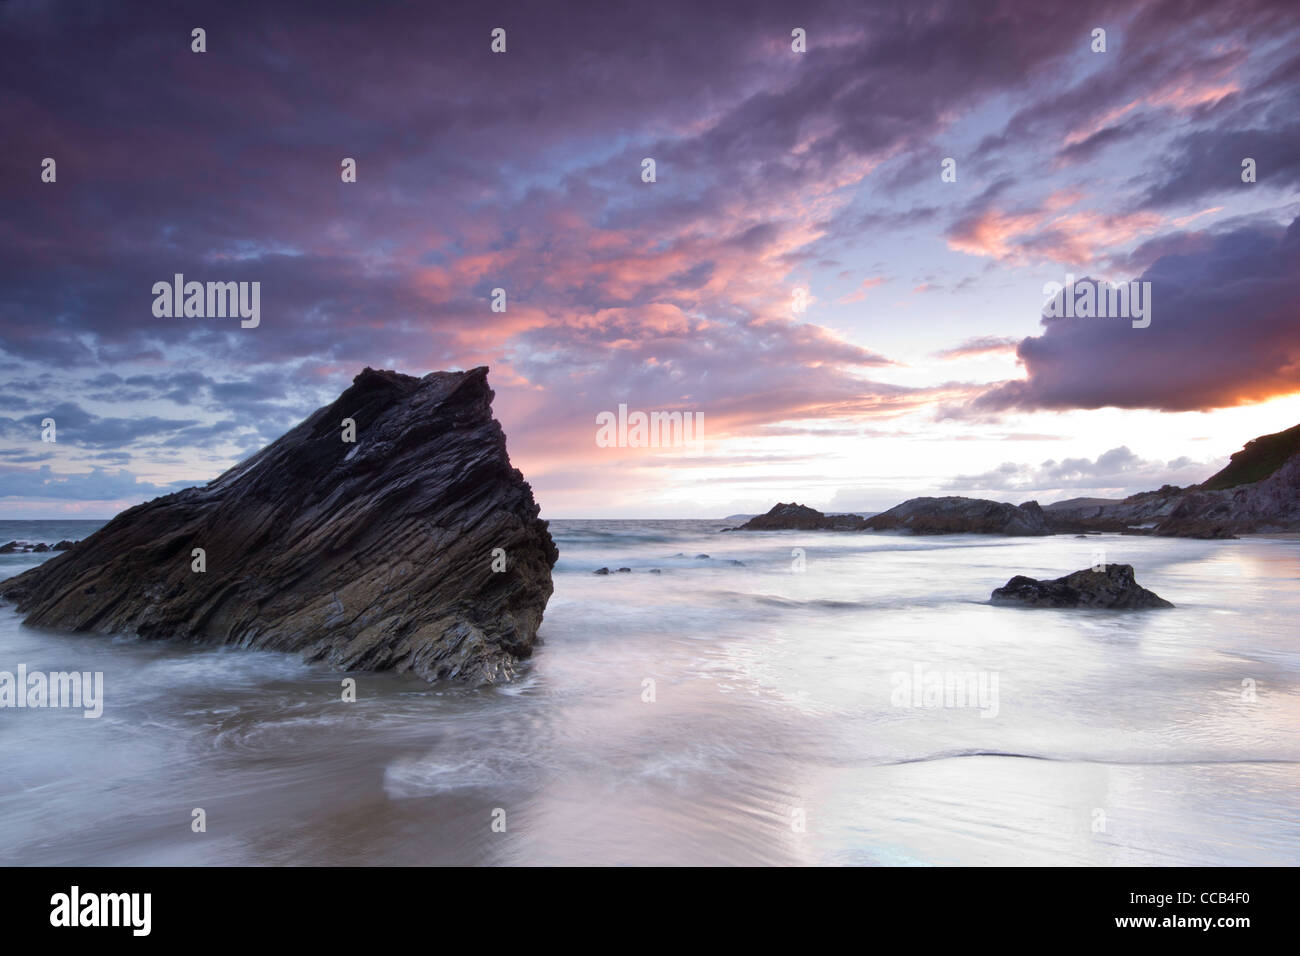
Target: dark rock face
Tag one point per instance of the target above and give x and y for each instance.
(1270, 504)
(955, 515)
(1113, 588)
(796, 517)
(1201, 528)
(1258, 493)
(370, 555)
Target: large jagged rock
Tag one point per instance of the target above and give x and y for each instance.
(372, 555)
(797, 517)
(956, 515)
(1113, 588)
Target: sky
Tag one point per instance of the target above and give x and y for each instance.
(855, 326)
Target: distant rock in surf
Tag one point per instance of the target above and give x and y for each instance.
(415, 548)
(797, 517)
(956, 515)
(33, 547)
(1113, 587)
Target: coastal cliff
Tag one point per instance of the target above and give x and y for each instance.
(1257, 493)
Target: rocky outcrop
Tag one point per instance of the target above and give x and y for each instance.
(1268, 505)
(1137, 514)
(796, 517)
(917, 515)
(415, 548)
(955, 515)
(1112, 587)
(1271, 504)
(1257, 493)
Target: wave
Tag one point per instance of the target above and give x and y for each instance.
(823, 603)
(409, 777)
(1076, 758)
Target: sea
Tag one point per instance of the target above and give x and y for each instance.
(774, 698)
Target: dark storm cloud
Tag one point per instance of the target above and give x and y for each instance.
(521, 171)
(1223, 332)
(1209, 164)
(74, 425)
(224, 165)
(1118, 468)
(1093, 145)
(99, 484)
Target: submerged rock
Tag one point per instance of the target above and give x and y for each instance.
(383, 553)
(1114, 587)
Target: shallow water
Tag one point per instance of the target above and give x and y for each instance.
(777, 733)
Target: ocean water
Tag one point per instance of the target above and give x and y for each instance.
(755, 706)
